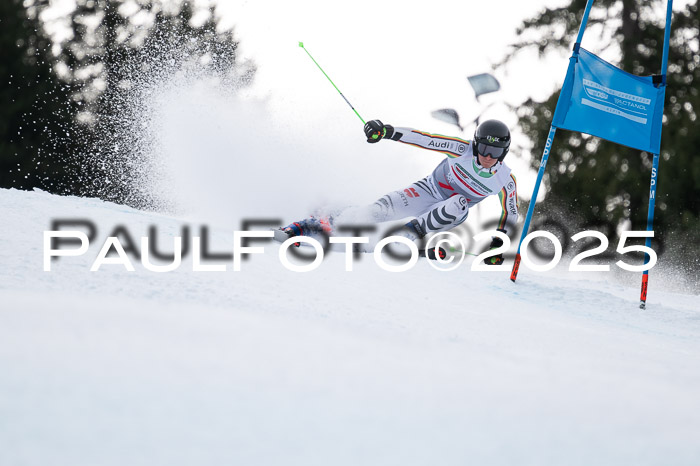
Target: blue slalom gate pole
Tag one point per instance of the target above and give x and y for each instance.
(584, 22)
(533, 199)
(655, 163)
(650, 227)
(548, 147)
(667, 36)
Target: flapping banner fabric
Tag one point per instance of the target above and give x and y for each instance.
(602, 100)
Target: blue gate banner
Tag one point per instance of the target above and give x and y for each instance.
(602, 100)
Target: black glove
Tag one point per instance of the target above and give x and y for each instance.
(496, 242)
(375, 131)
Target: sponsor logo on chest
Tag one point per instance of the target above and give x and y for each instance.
(470, 179)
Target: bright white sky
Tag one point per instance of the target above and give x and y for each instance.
(393, 60)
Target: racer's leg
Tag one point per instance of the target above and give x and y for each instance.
(416, 199)
(442, 216)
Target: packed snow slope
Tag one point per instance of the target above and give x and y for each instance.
(266, 366)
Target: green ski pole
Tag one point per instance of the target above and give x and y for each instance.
(301, 44)
(451, 249)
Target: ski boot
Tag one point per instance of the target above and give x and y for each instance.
(433, 253)
(414, 231)
(309, 227)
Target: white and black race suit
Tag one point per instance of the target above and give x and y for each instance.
(441, 200)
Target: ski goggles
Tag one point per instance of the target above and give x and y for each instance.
(490, 151)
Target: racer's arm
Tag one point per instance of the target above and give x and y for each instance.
(451, 146)
(375, 131)
(508, 197)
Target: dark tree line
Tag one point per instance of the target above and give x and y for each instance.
(36, 109)
(68, 113)
(603, 183)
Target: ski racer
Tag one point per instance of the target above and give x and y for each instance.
(472, 171)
